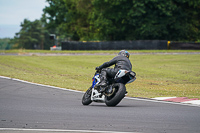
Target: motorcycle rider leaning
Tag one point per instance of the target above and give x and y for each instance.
(121, 62)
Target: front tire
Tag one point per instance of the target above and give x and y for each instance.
(118, 95)
(86, 100)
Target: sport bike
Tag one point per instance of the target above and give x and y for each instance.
(114, 91)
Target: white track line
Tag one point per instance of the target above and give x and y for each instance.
(40, 84)
(193, 102)
(160, 101)
(132, 98)
(196, 102)
(59, 130)
(162, 98)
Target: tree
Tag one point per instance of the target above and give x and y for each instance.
(5, 43)
(147, 19)
(32, 35)
(110, 19)
(125, 19)
(69, 17)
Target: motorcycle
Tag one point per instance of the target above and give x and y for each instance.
(114, 92)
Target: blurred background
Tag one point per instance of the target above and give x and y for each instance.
(28, 24)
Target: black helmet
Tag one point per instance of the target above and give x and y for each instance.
(124, 53)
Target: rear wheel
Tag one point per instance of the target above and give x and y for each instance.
(86, 100)
(117, 96)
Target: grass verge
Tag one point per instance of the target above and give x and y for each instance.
(157, 75)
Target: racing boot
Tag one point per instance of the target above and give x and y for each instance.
(102, 85)
(103, 82)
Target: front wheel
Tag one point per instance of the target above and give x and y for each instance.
(86, 100)
(117, 96)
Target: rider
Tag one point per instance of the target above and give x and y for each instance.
(121, 62)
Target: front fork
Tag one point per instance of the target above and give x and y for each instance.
(96, 96)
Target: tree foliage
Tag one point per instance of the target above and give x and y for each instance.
(5, 43)
(108, 20)
(70, 17)
(32, 35)
(125, 19)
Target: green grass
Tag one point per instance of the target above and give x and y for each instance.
(157, 75)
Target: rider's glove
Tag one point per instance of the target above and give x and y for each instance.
(97, 68)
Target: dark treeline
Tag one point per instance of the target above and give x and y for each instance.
(112, 20)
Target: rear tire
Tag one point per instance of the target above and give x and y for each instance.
(120, 91)
(86, 100)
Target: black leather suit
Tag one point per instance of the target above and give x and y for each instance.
(120, 62)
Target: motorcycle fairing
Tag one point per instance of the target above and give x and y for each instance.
(95, 80)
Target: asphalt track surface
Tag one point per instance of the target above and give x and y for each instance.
(25, 106)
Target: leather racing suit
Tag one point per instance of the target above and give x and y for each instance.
(120, 62)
